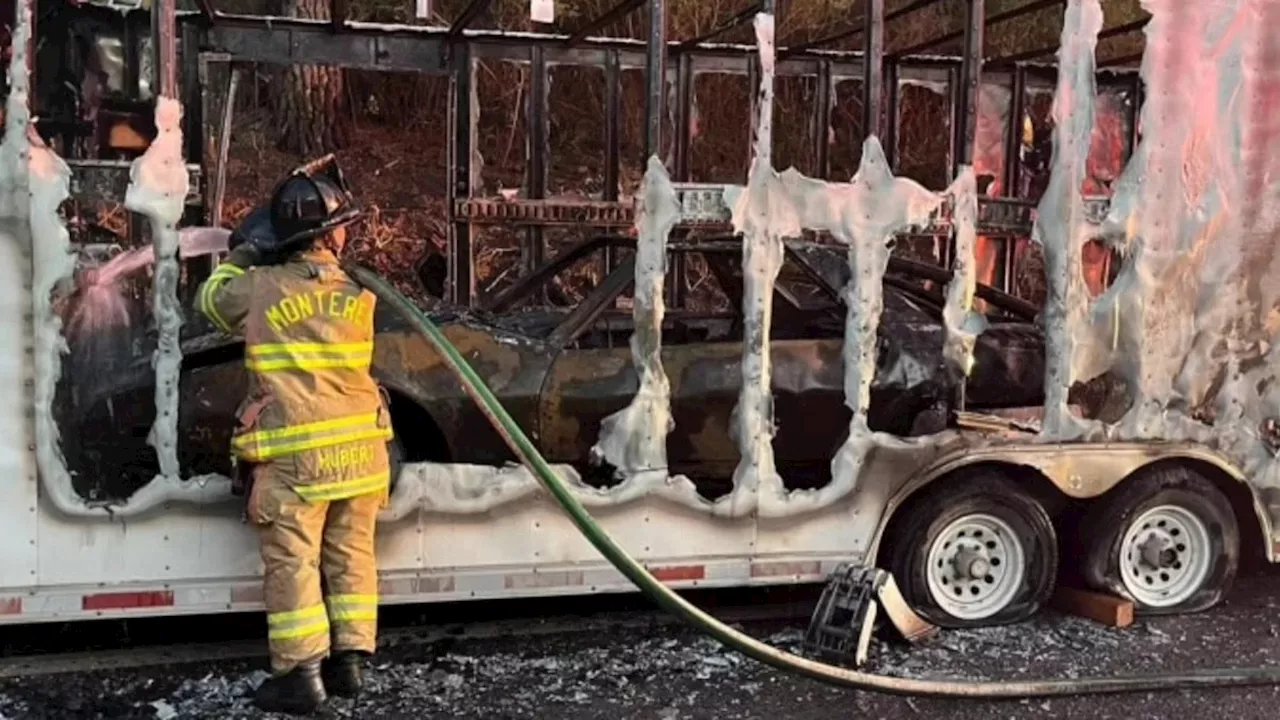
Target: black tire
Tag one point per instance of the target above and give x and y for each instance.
(1107, 521)
(920, 524)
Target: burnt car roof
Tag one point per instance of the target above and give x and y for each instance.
(824, 261)
(907, 299)
(820, 266)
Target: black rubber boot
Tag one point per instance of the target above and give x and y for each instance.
(298, 692)
(343, 673)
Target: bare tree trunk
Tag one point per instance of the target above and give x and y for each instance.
(311, 110)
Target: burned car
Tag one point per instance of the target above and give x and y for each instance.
(561, 370)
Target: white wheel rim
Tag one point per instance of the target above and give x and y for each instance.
(976, 566)
(1165, 556)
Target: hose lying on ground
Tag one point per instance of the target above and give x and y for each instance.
(747, 645)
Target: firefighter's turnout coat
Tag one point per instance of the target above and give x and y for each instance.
(314, 429)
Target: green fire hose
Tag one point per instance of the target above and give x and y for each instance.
(747, 645)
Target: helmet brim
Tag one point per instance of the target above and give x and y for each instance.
(342, 220)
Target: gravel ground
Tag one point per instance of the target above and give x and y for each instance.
(673, 674)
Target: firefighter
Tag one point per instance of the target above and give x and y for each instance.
(312, 434)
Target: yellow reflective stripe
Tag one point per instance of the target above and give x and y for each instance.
(268, 451)
(318, 627)
(308, 364)
(267, 444)
(308, 356)
(351, 608)
(307, 428)
(292, 624)
(341, 615)
(307, 347)
(217, 279)
(343, 489)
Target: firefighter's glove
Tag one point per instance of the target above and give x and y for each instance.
(241, 477)
(242, 486)
(245, 255)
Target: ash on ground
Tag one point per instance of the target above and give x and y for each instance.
(672, 673)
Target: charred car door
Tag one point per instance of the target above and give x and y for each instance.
(593, 377)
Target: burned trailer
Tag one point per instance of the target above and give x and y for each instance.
(850, 404)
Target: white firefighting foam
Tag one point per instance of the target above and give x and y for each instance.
(963, 325)
(634, 439)
(764, 218)
(33, 183)
(864, 214)
(459, 489)
(1192, 323)
(53, 264)
(16, 366)
(1061, 228)
(158, 186)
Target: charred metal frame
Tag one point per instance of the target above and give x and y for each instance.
(462, 137)
(873, 68)
(164, 30)
(454, 51)
(1035, 6)
(1013, 168)
(539, 133)
(824, 88)
(1048, 50)
(966, 119)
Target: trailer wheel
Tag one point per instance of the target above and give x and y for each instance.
(975, 552)
(1167, 540)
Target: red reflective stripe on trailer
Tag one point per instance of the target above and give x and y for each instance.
(124, 600)
(679, 572)
(11, 606)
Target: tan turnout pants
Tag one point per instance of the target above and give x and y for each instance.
(303, 542)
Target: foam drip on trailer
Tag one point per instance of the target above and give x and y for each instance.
(158, 186)
(33, 183)
(16, 325)
(1060, 218)
(1189, 324)
(634, 440)
(963, 325)
(763, 218)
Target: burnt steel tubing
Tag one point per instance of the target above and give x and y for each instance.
(747, 645)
